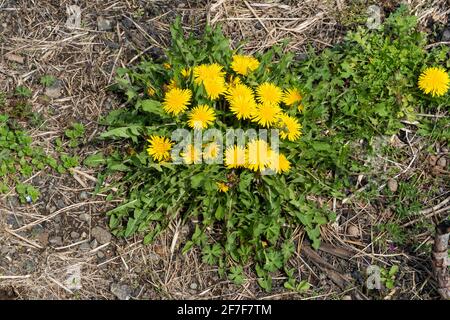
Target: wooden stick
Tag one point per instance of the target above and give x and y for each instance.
(440, 259)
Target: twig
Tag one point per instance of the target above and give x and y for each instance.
(440, 259)
(433, 213)
(32, 243)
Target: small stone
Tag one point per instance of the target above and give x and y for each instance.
(121, 291)
(84, 235)
(392, 185)
(94, 244)
(84, 195)
(74, 235)
(14, 58)
(432, 160)
(353, 231)
(85, 247)
(446, 35)
(442, 162)
(112, 45)
(43, 238)
(55, 90)
(104, 24)
(60, 204)
(12, 221)
(29, 266)
(100, 255)
(193, 286)
(101, 235)
(347, 298)
(85, 217)
(56, 241)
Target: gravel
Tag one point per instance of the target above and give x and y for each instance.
(101, 235)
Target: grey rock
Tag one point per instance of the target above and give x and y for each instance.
(446, 35)
(193, 286)
(12, 221)
(85, 247)
(112, 45)
(442, 162)
(60, 204)
(85, 217)
(56, 241)
(101, 235)
(392, 185)
(84, 195)
(55, 90)
(74, 235)
(104, 24)
(29, 266)
(100, 255)
(37, 230)
(94, 244)
(121, 291)
(353, 231)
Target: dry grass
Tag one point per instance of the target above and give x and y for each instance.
(85, 60)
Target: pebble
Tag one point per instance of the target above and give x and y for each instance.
(442, 162)
(392, 185)
(55, 90)
(193, 286)
(85, 217)
(346, 298)
(353, 231)
(104, 24)
(85, 246)
(101, 235)
(100, 255)
(84, 195)
(446, 35)
(60, 203)
(121, 291)
(74, 235)
(56, 241)
(94, 244)
(12, 221)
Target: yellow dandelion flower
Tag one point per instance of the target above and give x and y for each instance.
(435, 81)
(159, 148)
(291, 97)
(289, 127)
(242, 101)
(258, 155)
(150, 91)
(278, 162)
(300, 108)
(206, 72)
(192, 155)
(186, 72)
(266, 114)
(215, 87)
(268, 93)
(234, 81)
(172, 85)
(167, 65)
(212, 77)
(211, 151)
(222, 186)
(235, 157)
(244, 64)
(176, 100)
(201, 117)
